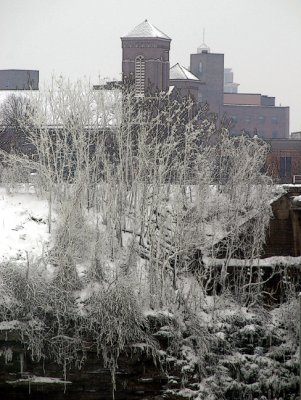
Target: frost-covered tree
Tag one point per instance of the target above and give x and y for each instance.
(160, 179)
(148, 193)
(16, 112)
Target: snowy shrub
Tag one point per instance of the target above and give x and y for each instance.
(115, 320)
(73, 234)
(14, 177)
(288, 316)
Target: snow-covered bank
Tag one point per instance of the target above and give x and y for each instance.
(23, 226)
(104, 288)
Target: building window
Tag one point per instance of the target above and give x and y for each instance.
(247, 119)
(139, 76)
(274, 135)
(274, 120)
(285, 166)
(261, 119)
(234, 119)
(200, 67)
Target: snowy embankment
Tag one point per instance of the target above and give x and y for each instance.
(212, 347)
(24, 230)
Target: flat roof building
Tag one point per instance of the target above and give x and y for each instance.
(19, 79)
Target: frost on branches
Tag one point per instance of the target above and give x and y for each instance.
(142, 196)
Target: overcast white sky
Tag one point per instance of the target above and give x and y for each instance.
(261, 39)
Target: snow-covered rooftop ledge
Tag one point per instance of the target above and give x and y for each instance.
(264, 262)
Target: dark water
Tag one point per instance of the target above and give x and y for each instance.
(96, 387)
(86, 395)
(137, 377)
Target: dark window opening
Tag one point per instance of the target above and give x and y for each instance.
(285, 167)
(274, 135)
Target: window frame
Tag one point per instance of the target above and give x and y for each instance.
(139, 76)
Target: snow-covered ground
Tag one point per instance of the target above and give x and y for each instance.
(216, 326)
(23, 226)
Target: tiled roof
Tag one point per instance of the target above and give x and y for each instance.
(146, 30)
(178, 72)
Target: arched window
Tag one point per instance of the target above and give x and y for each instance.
(200, 67)
(139, 76)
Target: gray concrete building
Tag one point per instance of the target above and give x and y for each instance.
(19, 79)
(209, 68)
(249, 113)
(229, 85)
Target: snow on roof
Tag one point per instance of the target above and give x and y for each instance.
(177, 72)
(146, 30)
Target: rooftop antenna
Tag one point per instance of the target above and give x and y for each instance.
(203, 48)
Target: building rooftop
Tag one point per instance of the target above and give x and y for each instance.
(19, 79)
(203, 48)
(146, 30)
(177, 72)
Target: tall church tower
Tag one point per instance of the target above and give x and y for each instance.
(145, 59)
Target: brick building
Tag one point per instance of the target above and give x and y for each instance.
(284, 159)
(145, 60)
(184, 82)
(256, 114)
(249, 112)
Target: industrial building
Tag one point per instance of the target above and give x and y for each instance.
(19, 79)
(145, 60)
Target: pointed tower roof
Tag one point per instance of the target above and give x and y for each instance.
(177, 72)
(146, 30)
